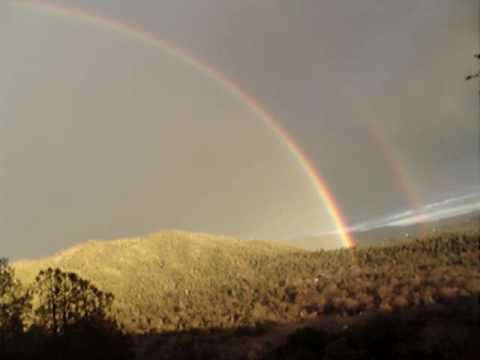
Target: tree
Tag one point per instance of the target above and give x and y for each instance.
(15, 304)
(64, 299)
(477, 74)
(74, 315)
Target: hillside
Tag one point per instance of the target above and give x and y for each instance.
(146, 273)
(178, 281)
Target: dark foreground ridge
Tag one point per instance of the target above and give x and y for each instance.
(446, 331)
(414, 299)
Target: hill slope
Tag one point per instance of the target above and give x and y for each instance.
(176, 280)
(146, 274)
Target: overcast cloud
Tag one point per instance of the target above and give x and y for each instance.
(103, 136)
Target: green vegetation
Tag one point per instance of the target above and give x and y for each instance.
(15, 303)
(179, 281)
(187, 296)
(60, 316)
(64, 299)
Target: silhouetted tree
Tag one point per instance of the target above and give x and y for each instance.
(15, 304)
(75, 316)
(65, 299)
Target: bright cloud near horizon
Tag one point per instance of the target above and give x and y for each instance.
(446, 207)
(103, 135)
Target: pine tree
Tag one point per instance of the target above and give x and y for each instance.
(65, 299)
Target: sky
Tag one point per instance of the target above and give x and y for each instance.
(103, 135)
(460, 203)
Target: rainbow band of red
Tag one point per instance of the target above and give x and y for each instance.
(324, 194)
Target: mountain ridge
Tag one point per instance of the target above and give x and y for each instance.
(174, 280)
(161, 266)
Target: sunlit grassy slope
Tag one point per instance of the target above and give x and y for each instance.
(146, 274)
(178, 280)
(165, 262)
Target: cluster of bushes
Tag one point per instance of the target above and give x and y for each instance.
(435, 332)
(422, 272)
(60, 316)
(305, 285)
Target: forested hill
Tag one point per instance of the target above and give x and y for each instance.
(178, 280)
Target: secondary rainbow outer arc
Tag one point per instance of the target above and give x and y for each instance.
(401, 175)
(395, 163)
(392, 159)
(362, 110)
(325, 195)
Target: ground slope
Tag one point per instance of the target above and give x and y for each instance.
(178, 281)
(146, 274)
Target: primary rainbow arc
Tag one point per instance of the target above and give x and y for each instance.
(322, 190)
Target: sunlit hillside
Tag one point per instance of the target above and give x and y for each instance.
(178, 280)
(146, 274)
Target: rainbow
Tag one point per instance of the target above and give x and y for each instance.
(401, 177)
(396, 166)
(362, 109)
(322, 190)
(395, 163)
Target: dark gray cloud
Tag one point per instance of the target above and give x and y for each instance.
(329, 70)
(372, 90)
(104, 137)
(4, 16)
